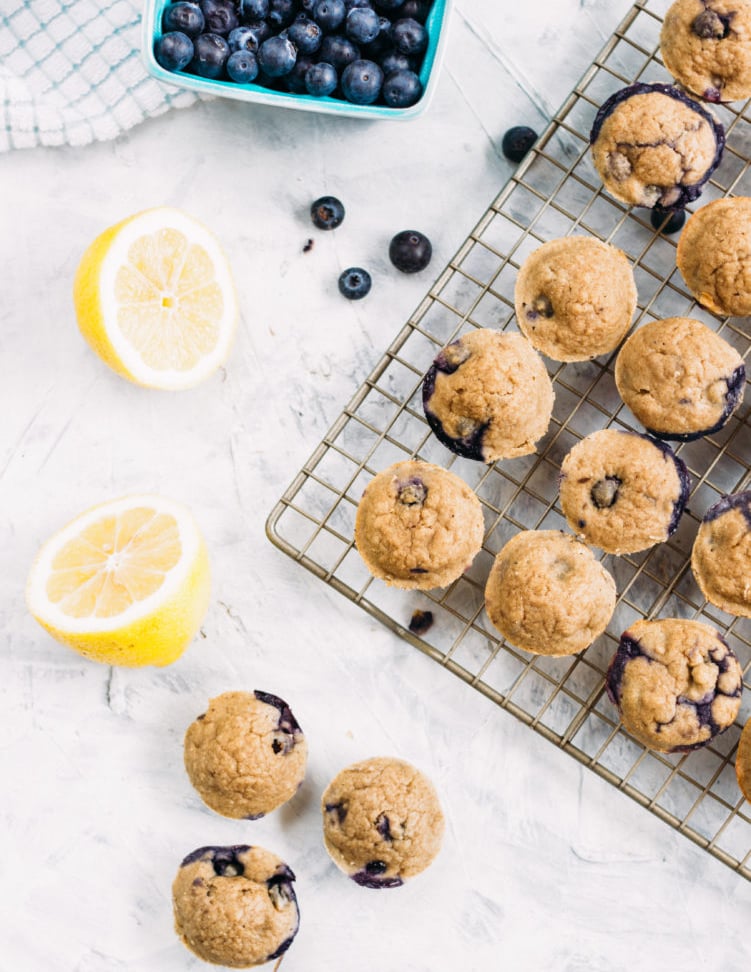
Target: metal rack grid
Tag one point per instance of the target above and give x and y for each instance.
(555, 192)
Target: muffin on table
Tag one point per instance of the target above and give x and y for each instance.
(680, 378)
(653, 145)
(623, 491)
(488, 396)
(706, 46)
(676, 683)
(721, 554)
(575, 298)
(714, 256)
(546, 593)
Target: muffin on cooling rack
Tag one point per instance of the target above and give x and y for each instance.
(623, 491)
(418, 526)
(679, 378)
(382, 822)
(652, 145)
(575, 298)
(743, 761)
(488, 396)
(546, 593)
(714, 256)
(721, 555)
(706, 46)
(676, 683)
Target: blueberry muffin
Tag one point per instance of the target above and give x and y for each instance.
(721, 555)
(235, 906)
(623, 491)
(679, 378)
(654, 146)
(246, 754)
(714, 256)
(418, 526)
(676, 683)
(546, 593)
(706, 46)
(487, 396)
(743, 761)
(575, 298)
(382, 822)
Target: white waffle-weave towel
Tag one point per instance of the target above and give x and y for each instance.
(71, 72)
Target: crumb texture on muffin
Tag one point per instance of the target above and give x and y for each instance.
(721, 554)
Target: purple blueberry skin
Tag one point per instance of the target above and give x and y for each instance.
(685, 480)
(209, 56)
(220, 857)
(185, 17)
(401, 89)
(174, 50)
(220, 16)
(736, 385)
(471, 446)
(287, 722)
(374, 881)
(733, 501)
(686, 194)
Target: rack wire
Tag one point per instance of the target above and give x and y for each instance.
(554, 192)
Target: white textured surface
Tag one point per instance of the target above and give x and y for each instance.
(544, 865)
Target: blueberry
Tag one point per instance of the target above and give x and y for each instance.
(321, 79)
(351, 4)
(187, 18)
(282, 12)
(412, 492)
(381, 43)
(409, 36)
(307, 6)
(338, 50)
(394, 61)
(410, 251)
(517, 142)
(210, 53)
(354, 283)
(253, 9)
(402, 89)
(711, 26)
(277, 56)
(329, 14)
(417, 9)
(420, 622)
(174, 50)
(305, 34)
(667, 220)
(363, 25)
(376, 867)
(295, 80)
(327, 212)
(361, 82)
(604, 493)
(242, 67)
(243, 39)
(220, 16)
(260, 30)
(389, 4)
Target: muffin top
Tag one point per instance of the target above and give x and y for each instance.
(721, 554)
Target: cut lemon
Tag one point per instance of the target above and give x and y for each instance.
(126, 583)
(155, 298)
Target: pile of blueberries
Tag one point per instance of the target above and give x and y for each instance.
(362, 51)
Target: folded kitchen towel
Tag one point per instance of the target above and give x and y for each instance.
(71, 72)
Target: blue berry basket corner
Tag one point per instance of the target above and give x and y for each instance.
(436, 23)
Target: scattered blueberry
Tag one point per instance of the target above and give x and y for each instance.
(420, 622)
(361, 82)
(329, 14)
(305, 34)
(174, 50)
(220, 16)
(210, 53)
(362, 25)
(410, 251)
(307, 246)
(409, 36)
(321, 79)
(277, 56)
(402, 89)
(354, 283)
(327, 213)
(667, 220)
(517, 142)
(337, 50)
(242, 67)
(253, 10)
(187, 18)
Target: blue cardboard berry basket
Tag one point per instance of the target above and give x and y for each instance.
(437, 27)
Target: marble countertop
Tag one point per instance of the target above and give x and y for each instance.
(544, 865)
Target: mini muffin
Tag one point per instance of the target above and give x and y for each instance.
(418, 526)
(487, 396)
(676, 683)
(575, 298)
(546, 593)
(382, 822)
(654, 146)
(235, 906)
(679, 378)
(246, 754)
(743, 761)
(706, 46)
(714, 256)
(721, 555)
(623, 491)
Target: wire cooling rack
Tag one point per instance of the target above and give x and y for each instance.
(555, 192)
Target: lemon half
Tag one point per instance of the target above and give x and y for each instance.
(126, 583)
(155, 299)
